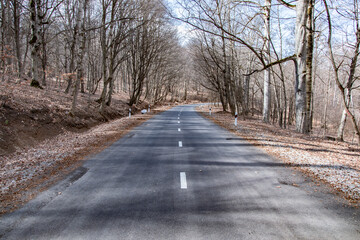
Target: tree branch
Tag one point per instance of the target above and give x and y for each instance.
(289, 58)
(286, 4)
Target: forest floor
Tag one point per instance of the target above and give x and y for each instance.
(40, 143)
(336, 164)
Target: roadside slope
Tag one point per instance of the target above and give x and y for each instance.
(30, 115)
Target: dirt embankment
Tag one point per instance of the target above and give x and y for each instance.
(29, 115)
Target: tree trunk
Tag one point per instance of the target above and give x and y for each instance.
(111, 89)
(345, 89)
(326, 105)
(81, 52)
(309, 65)
(35, 45)
(3, 33)
(301, 55)
(104, 58)
(267, 89)
(16, 17)
(340, 131)
(222, 100)
(291, 111)
(103, 97)
(43, 59)
(72, 53)
(246, 95)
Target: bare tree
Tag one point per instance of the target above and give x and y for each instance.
(113, 34)
(346, 86)
(16, 11)
(206, 15)
(40, 14)
(35, 19)
(267, 89)
(145, 44)
(80, 20)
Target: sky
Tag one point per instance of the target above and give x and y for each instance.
(184, 30)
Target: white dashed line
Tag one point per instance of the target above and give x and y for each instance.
(179, 130)
(178, 121)
(183, 183)
(180, 143)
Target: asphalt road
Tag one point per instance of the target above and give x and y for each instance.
(179, 176)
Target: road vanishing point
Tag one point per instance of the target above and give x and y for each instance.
(180, 176)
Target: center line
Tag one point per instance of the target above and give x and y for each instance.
(179, 130)
(183, 184)
(180, 143)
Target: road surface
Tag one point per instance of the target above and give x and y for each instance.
(179, 176)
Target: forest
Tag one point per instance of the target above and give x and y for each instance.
(90, 46)
(120, 101)
(294, 63)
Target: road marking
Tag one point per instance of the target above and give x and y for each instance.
(178, 118)
(178, 121)
(183, 183)
(179, 130)
(180, 143)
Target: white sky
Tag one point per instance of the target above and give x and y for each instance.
(184, 30)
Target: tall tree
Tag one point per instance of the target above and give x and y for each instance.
(80, 20)
(346, 86)
(41, 12)
(35, 19)
(267, 88)
(303, 51)
(16, 11)
(121, 23)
